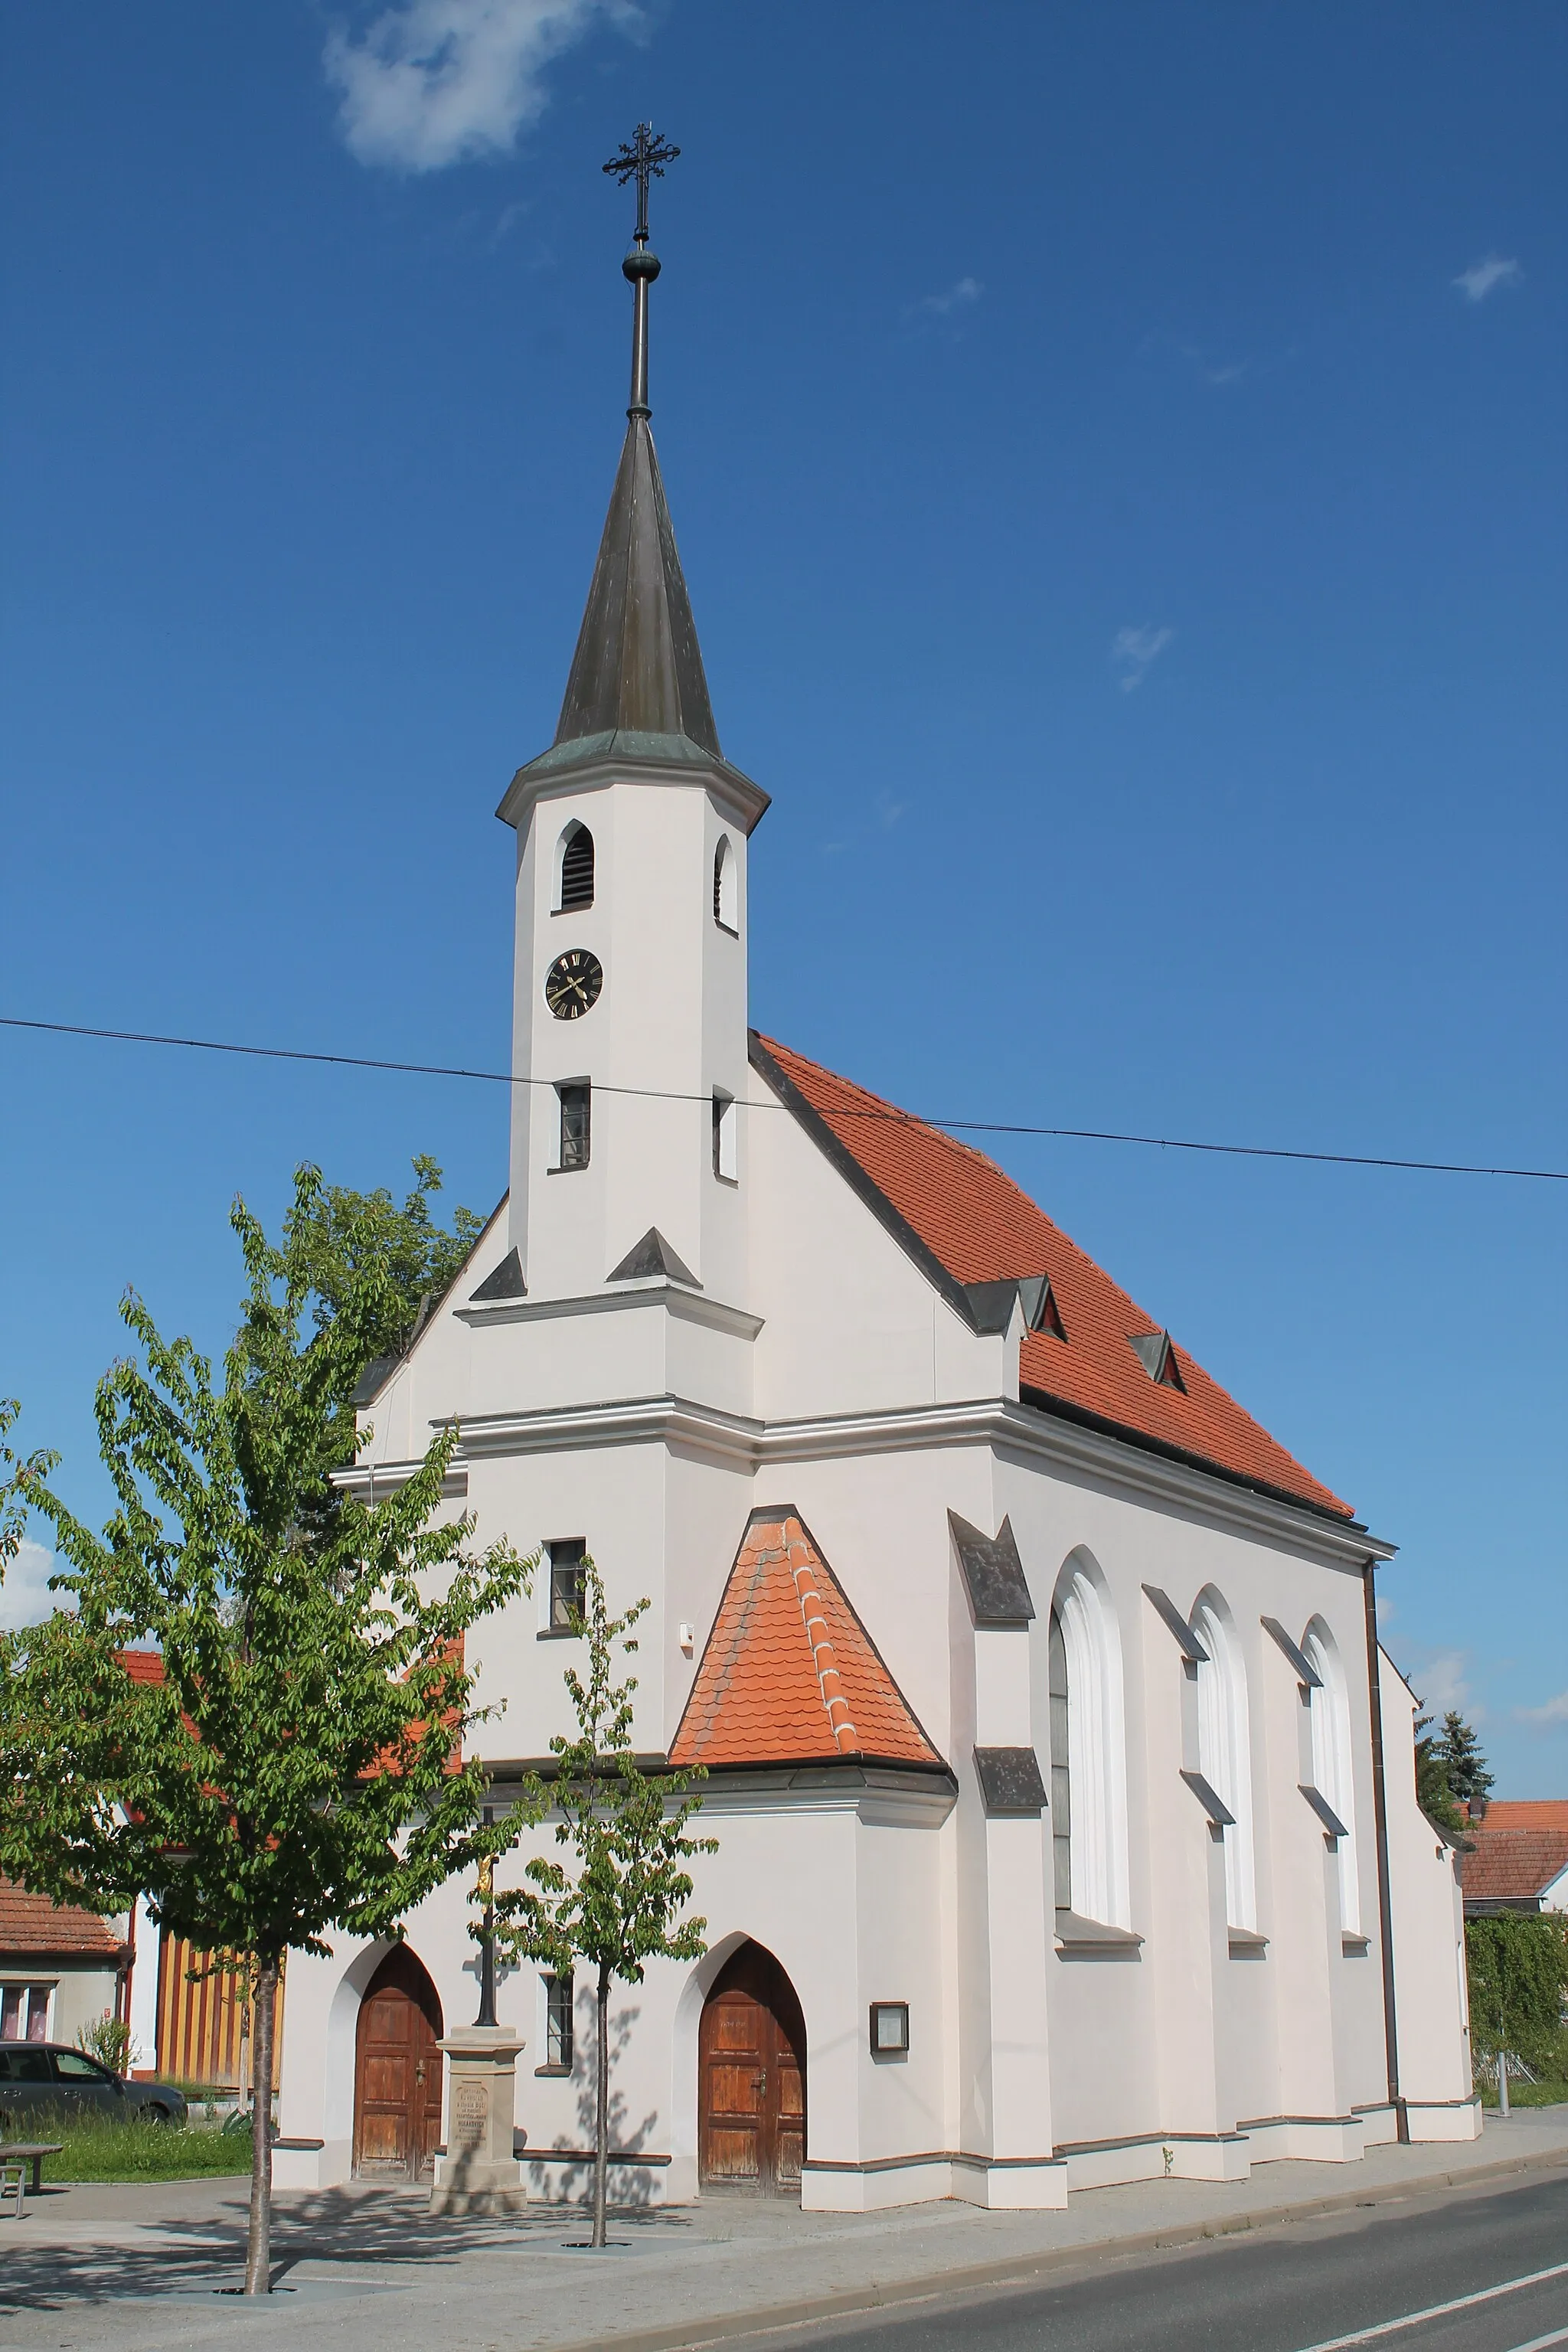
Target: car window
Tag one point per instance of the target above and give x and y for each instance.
(20, 2063)
(72, 2067)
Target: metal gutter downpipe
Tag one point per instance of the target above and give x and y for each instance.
(1385, 1898)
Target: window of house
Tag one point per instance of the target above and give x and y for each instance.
(1061, 1769)
(566, 1583)
(726, 1160)
(25, 2013)
(1331, 1768)
(576, 1123)
(724, 909)
(558, 2037)
(1224, 1753)
(574, 885)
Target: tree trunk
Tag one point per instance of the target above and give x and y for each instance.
(259, 2240)
(602, 2133)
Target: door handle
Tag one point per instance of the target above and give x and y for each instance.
(759, 2084)
(419, 2071)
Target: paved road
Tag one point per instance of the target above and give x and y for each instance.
(1307, 2287)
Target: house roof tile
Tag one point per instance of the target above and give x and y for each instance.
(1516, 1849)
(953, 1202)
(31, 1926)
(789, 1673)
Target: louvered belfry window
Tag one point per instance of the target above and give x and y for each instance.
(577, 870)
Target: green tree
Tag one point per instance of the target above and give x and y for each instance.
(1516, 1962)
(620, 1904)
(1464, 1766)
(298, 1768)
(1433, 1793)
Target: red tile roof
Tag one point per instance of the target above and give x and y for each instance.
(32, 1927)
(789, 1673)
(143, 1666)
(976, 1221)
(1518, 1847)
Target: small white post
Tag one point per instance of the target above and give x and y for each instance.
(1502, 2082)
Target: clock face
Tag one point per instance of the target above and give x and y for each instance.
(571, 984)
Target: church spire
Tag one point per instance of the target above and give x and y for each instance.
(637, 669)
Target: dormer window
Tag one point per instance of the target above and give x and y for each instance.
(574, 879)
(1158, 1357)
(725, 913)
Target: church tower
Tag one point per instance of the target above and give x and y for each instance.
(628, 1148)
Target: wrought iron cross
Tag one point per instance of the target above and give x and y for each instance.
(642, 159)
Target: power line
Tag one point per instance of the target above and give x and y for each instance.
(661, 1094)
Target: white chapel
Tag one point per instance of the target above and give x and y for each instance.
(1065, 1800)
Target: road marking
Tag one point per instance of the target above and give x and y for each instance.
(1441, 2310)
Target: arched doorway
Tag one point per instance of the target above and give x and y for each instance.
(752, 2078)
(397, 2073)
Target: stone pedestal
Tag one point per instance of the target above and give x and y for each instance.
(479, 2173)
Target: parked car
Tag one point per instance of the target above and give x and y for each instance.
(51, 2075)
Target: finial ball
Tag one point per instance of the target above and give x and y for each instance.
(640, 262)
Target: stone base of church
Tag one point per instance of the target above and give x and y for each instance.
(1034, 2185)
(1447, 2119)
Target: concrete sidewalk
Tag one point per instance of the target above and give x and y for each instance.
(367, 2271)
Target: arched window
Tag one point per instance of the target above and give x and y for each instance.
(725, 913)
(574, 870)
(1088, 1750)
(1331, 1768)
(1224, 1752)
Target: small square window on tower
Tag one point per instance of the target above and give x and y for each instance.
(576, 1122)
(890, 2028)
(566, 1582)
(726, 1158)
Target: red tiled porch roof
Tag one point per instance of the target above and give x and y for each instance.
(789, 1673)
(959, 1207)
(1517, 1848)
(31, 1926)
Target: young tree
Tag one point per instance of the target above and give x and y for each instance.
(620, 1904)
(1433, 1793)
(298, 1766)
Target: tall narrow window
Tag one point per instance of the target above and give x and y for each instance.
(724, 911)
(726, 1160)
(576, 1123)
(558, 2038)
(1061, 1769)
(1089, 1748)
(566, 1583)
(1331, 1768)
(1224, 1752)
(575, 887)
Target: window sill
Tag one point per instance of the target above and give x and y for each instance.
(1355, 1948)
(1245, 1945)
(1076, 1933)
(577, 1168)
(732, 1181)
(729, 930)
(559, 1634)
(552, 2069)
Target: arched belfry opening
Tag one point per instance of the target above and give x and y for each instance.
(397, 2073)
(751, 2078)
(574, 885)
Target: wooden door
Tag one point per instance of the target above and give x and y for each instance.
(752, 2078)
(397, 2073)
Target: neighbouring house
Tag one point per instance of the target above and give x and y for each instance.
(1064, 1802)
(1517, 1857)
(60, 1969)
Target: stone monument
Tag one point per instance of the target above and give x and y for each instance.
(478, 2172)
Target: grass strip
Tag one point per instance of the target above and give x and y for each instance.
(105, 2149)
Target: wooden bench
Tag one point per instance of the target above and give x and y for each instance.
(33, 2151)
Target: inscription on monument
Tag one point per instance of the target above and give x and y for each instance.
(470, 2116)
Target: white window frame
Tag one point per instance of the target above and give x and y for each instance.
(726, 1138)
(1333, 1772)
(726, 886)
(1224, 1752)
(1097, 1743)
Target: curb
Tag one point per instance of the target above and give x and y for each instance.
(1017, 2269)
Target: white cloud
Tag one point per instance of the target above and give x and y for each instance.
(1132, 652)
(1554, 1711)
(433, 82)
(958, 297)
(24, 1596)
(1438, 1679)
(1482, 278)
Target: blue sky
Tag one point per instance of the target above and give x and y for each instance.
(1118, 458)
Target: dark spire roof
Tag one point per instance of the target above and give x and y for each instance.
(638, 665)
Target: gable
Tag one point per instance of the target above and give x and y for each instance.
(789, 1673)
(968, 1225)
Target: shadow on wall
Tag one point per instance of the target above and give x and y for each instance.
(567, 2178)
